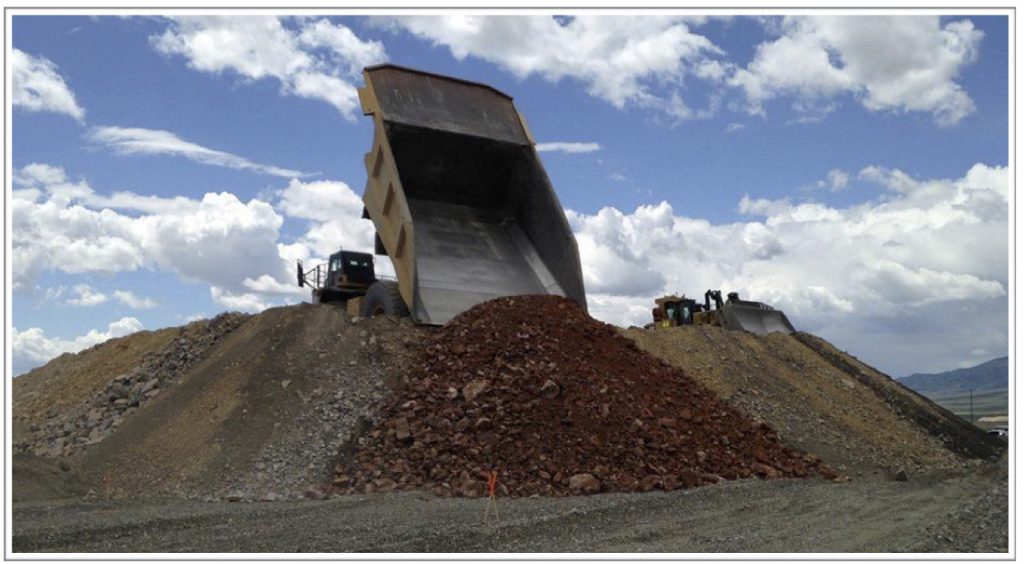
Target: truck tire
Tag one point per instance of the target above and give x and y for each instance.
(383, 298)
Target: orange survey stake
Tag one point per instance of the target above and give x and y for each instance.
(492, 503)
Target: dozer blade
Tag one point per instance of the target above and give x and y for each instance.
(757, 320)
(459, 197)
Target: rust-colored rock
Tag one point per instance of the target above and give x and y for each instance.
(764, 470)
(584, 483)
(402, 432)
(621, 419)
(474, 389)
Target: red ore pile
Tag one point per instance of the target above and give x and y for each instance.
(556, 403)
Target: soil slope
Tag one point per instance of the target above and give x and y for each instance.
(70, 379)
(274, 404)
(264, 415)
(821, 400)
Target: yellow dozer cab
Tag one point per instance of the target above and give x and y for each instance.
(459, 199)
(673, 311)
(732, 313)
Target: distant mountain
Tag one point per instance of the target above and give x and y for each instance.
(991, 375)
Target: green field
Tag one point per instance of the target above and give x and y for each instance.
(985, 403)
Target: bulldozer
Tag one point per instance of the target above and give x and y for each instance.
(733, 313)
(459, 201)
(673, 311)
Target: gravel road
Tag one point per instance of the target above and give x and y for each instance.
(942, 513)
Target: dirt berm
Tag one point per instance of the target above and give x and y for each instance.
(68, 380)
(264, 406)
(822, 400)
(259, 415)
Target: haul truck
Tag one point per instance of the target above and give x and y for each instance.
(459, 200)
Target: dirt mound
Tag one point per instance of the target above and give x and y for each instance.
(263, 414)
(854, 418)
(80, 426)
(557, 403)
(267, 405)
(955, 433)
(35, 478)
(70, 379)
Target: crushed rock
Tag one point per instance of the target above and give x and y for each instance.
(812, 402)
(230, 428)
(557, 403)
(68, 432)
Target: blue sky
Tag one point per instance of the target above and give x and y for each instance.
(849, 170)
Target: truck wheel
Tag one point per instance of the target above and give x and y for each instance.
(383, 298)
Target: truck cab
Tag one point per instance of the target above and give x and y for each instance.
(673, 311)
(347, 274)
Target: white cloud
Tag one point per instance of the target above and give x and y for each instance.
(33, 348)
(836, 180)
(334, 211)
(927, 249)
(247, 302)
(624, 60)
(344, 46)
(611, 242)
(266, 284)
(36, 173)
(322, 200)
(623, 311)
(139, 141)
(805, 120)
(895, 180)
(568, 147)
(235, 247)
(87, 297)
(38, 87)
(898, 63)
(45, 296)
(131, 300)
(67, 227)
(316, 59)
(915, 287)
(888, 63)
(761, 206)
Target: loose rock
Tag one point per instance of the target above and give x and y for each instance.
(584, 483)
(474, 389)
(550, 389)
(645, 424)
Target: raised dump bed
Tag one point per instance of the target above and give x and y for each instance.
(458, 196)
